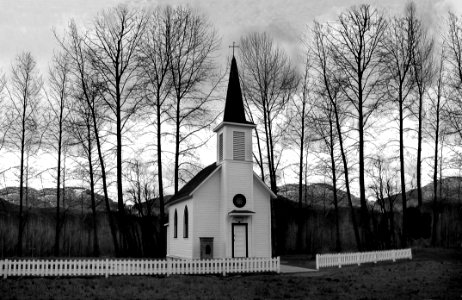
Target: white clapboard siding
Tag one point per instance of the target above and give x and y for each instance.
(110, 267)
(343, 259)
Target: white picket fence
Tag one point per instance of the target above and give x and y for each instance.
(109, 267)
(342, 259)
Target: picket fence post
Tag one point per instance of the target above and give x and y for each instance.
(169, 267)
(106, 271)
(223, 266)
(6, 269)
(279, 264)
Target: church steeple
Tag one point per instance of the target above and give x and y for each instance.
(234, 106)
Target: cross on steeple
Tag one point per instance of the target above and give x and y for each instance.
(233, 46)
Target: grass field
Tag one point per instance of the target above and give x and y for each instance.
(432, 274)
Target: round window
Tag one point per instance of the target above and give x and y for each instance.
(239, 200)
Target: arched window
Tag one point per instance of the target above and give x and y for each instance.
(175, 225)
(186, 222)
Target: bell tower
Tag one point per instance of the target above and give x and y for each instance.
(234, 134)
(234, 154)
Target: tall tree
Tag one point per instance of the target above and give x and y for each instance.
(454, 75)
(80, 125)
(355, 46)
(112, 45)
(25, 99)
(437, 107)
(4, 125)
(325, 128)
(398, 48)
(58, 107)
(154, 58)
(89, 90)
(329, 88)
(298, 132)
(269, 80)
(422, 65)
(382, 184)
(192, 42)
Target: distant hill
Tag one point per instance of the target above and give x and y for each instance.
(451, 192)
(318, 194)
(76, 198)
(321, 194)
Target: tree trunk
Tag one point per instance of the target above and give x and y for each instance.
(300, 182)
(402, 170)
(362, 186)
(435, 171)
(163, 235)
(177, 147)
(125, 239)
(106, 196)
(347, 180)
(338, 245)
(58, 181)
(21, 182)
(419, 154)
(92, 195)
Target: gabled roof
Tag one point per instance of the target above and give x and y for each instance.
(234, 106)
(187, 189)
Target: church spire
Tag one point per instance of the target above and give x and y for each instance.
(234, 107)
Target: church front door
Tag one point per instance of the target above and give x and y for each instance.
(240, 240)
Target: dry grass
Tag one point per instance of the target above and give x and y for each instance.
(433, 274)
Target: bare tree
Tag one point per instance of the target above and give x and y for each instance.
(355, 47)
(298, 131)
(89, 91)
(80, 125)
(154, 58)
(422, 66)
(398, 48)
(58, 108)
(323, 123)
(269, 81)
(112, 45)
(437, 108)
(454, 75)
(24, 116)
(329, 83)
(192, 43)
(4, 125)
(141, 187)
(382, 184)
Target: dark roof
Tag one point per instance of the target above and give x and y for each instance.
(194, 183)
(234, 106)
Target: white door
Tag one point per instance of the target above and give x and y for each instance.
(239, 240)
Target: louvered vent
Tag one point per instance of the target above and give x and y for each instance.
(238, 145)
(220, 147)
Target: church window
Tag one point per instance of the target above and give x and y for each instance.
(220, 147)
(175, 225)
(238, 145)
(186, 222)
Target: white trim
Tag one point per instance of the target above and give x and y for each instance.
(222, 124)
(273, 195)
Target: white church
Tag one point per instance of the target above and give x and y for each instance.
(225, 210)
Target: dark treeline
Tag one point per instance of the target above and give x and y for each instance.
(129, 99)
(319, 235)
(77, 234)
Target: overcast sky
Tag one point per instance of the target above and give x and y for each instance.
(26, 25)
